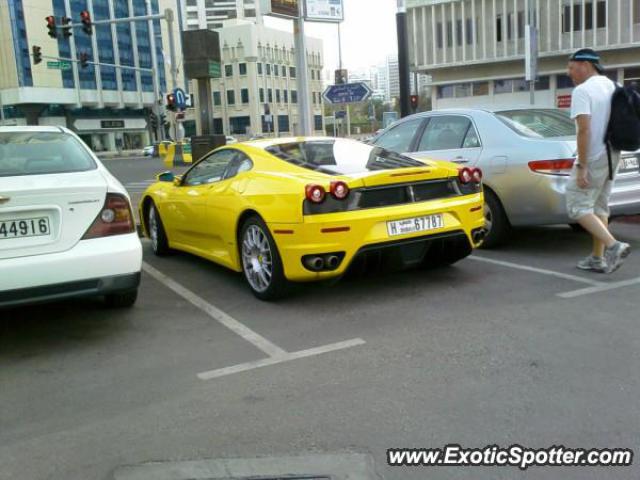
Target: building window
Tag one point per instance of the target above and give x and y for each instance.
(636, 11)
(259, 68)
(462, 90)
(459, 32)
(503, 86)
(439, 33)
(563, 81)
(601, 16)
(244, 95)
(262, 95)
(469, 31)
(231, 97)
(317, 121)
(480, 88)
(270, 94)
(240, 125)
(285, 93)
(499, 28)
(242, 68)
(313, 74)
(275, 71)
(444, 91)
(521, 24)
(542, 83)
(292, 72)
(268, 69)
(277, 96)
(284, 71)
(250, 13)
(283, 123)
(228, 70)
(313, 95)
(294, 96)
(449, 34)
(217, 100)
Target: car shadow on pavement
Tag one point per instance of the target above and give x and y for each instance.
(79, 323)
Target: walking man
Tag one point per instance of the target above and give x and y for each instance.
(589, 187)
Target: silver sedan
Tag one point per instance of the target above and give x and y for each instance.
(526, 156)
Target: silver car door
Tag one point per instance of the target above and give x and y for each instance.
(450, 137)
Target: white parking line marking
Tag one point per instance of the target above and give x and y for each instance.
(276, 354)
(601, 288)
(244, 367)
(542, 271)
(232, 324)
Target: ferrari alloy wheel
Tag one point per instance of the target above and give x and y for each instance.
(158, 237)
(261, 262)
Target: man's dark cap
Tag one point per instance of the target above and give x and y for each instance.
(587, 55)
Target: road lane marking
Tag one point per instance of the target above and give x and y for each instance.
(275, 354)
(244, 367)
(600, 288)
(542, 271)
(232, 324)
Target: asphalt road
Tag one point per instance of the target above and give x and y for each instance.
(510, 346)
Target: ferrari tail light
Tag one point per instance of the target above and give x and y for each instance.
(339, 190)
(468, 175)
(315, 193)
(115, 218)
(552, 167)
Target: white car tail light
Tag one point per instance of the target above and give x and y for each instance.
(552, 167)
(115, 218)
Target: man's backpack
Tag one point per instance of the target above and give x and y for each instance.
(623, 131)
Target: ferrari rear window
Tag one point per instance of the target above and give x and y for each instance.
(340, 157)
(41, 153)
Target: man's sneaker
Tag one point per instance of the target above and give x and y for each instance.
(615, 256)
(592, 264)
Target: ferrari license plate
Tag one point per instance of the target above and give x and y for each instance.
(630, 164)
(24, 227)
(413, 225)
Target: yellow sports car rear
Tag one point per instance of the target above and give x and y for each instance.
(307, 209)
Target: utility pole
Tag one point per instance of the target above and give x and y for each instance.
(403, 59)
(304, 107)
(531, 52)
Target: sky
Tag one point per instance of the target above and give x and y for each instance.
(368, 33)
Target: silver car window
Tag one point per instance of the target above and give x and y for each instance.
(447, 132)
(398, 139)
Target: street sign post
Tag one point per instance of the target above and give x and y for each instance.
(347, 93)
(324, 11)
(61, 65)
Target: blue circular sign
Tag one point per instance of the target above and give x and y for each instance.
(180, 98)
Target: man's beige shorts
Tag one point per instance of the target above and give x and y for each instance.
(594, 198)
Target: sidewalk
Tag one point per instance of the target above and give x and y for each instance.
(122, 154)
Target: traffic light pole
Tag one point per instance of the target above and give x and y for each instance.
(403, 59)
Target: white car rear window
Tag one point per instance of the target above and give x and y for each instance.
(42, 153)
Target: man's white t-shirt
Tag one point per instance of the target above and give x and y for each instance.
(593, 97)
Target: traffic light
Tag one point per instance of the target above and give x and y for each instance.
(153, 120)
(37, 54)
(66, 27)
(87, 26)
(163, 120)
(171, 102)
(84, 59)
(414, 102)
(51, 26)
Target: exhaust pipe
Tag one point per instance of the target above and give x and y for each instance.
(332, 262)
(315, 263)
(479, 235)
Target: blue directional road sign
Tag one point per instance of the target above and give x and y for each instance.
(347, 93)
(180, 98)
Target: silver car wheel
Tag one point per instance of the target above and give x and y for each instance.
(257, 261)
(153, 227)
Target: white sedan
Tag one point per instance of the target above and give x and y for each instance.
(66, 224)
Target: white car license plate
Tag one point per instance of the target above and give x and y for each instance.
(413, 225)
(630, 164)
(24, 227)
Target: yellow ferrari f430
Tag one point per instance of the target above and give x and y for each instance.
(307, 209)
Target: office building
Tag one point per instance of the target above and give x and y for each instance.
(209, 14)
(258, 69)
(107, 106)
(475, 49)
